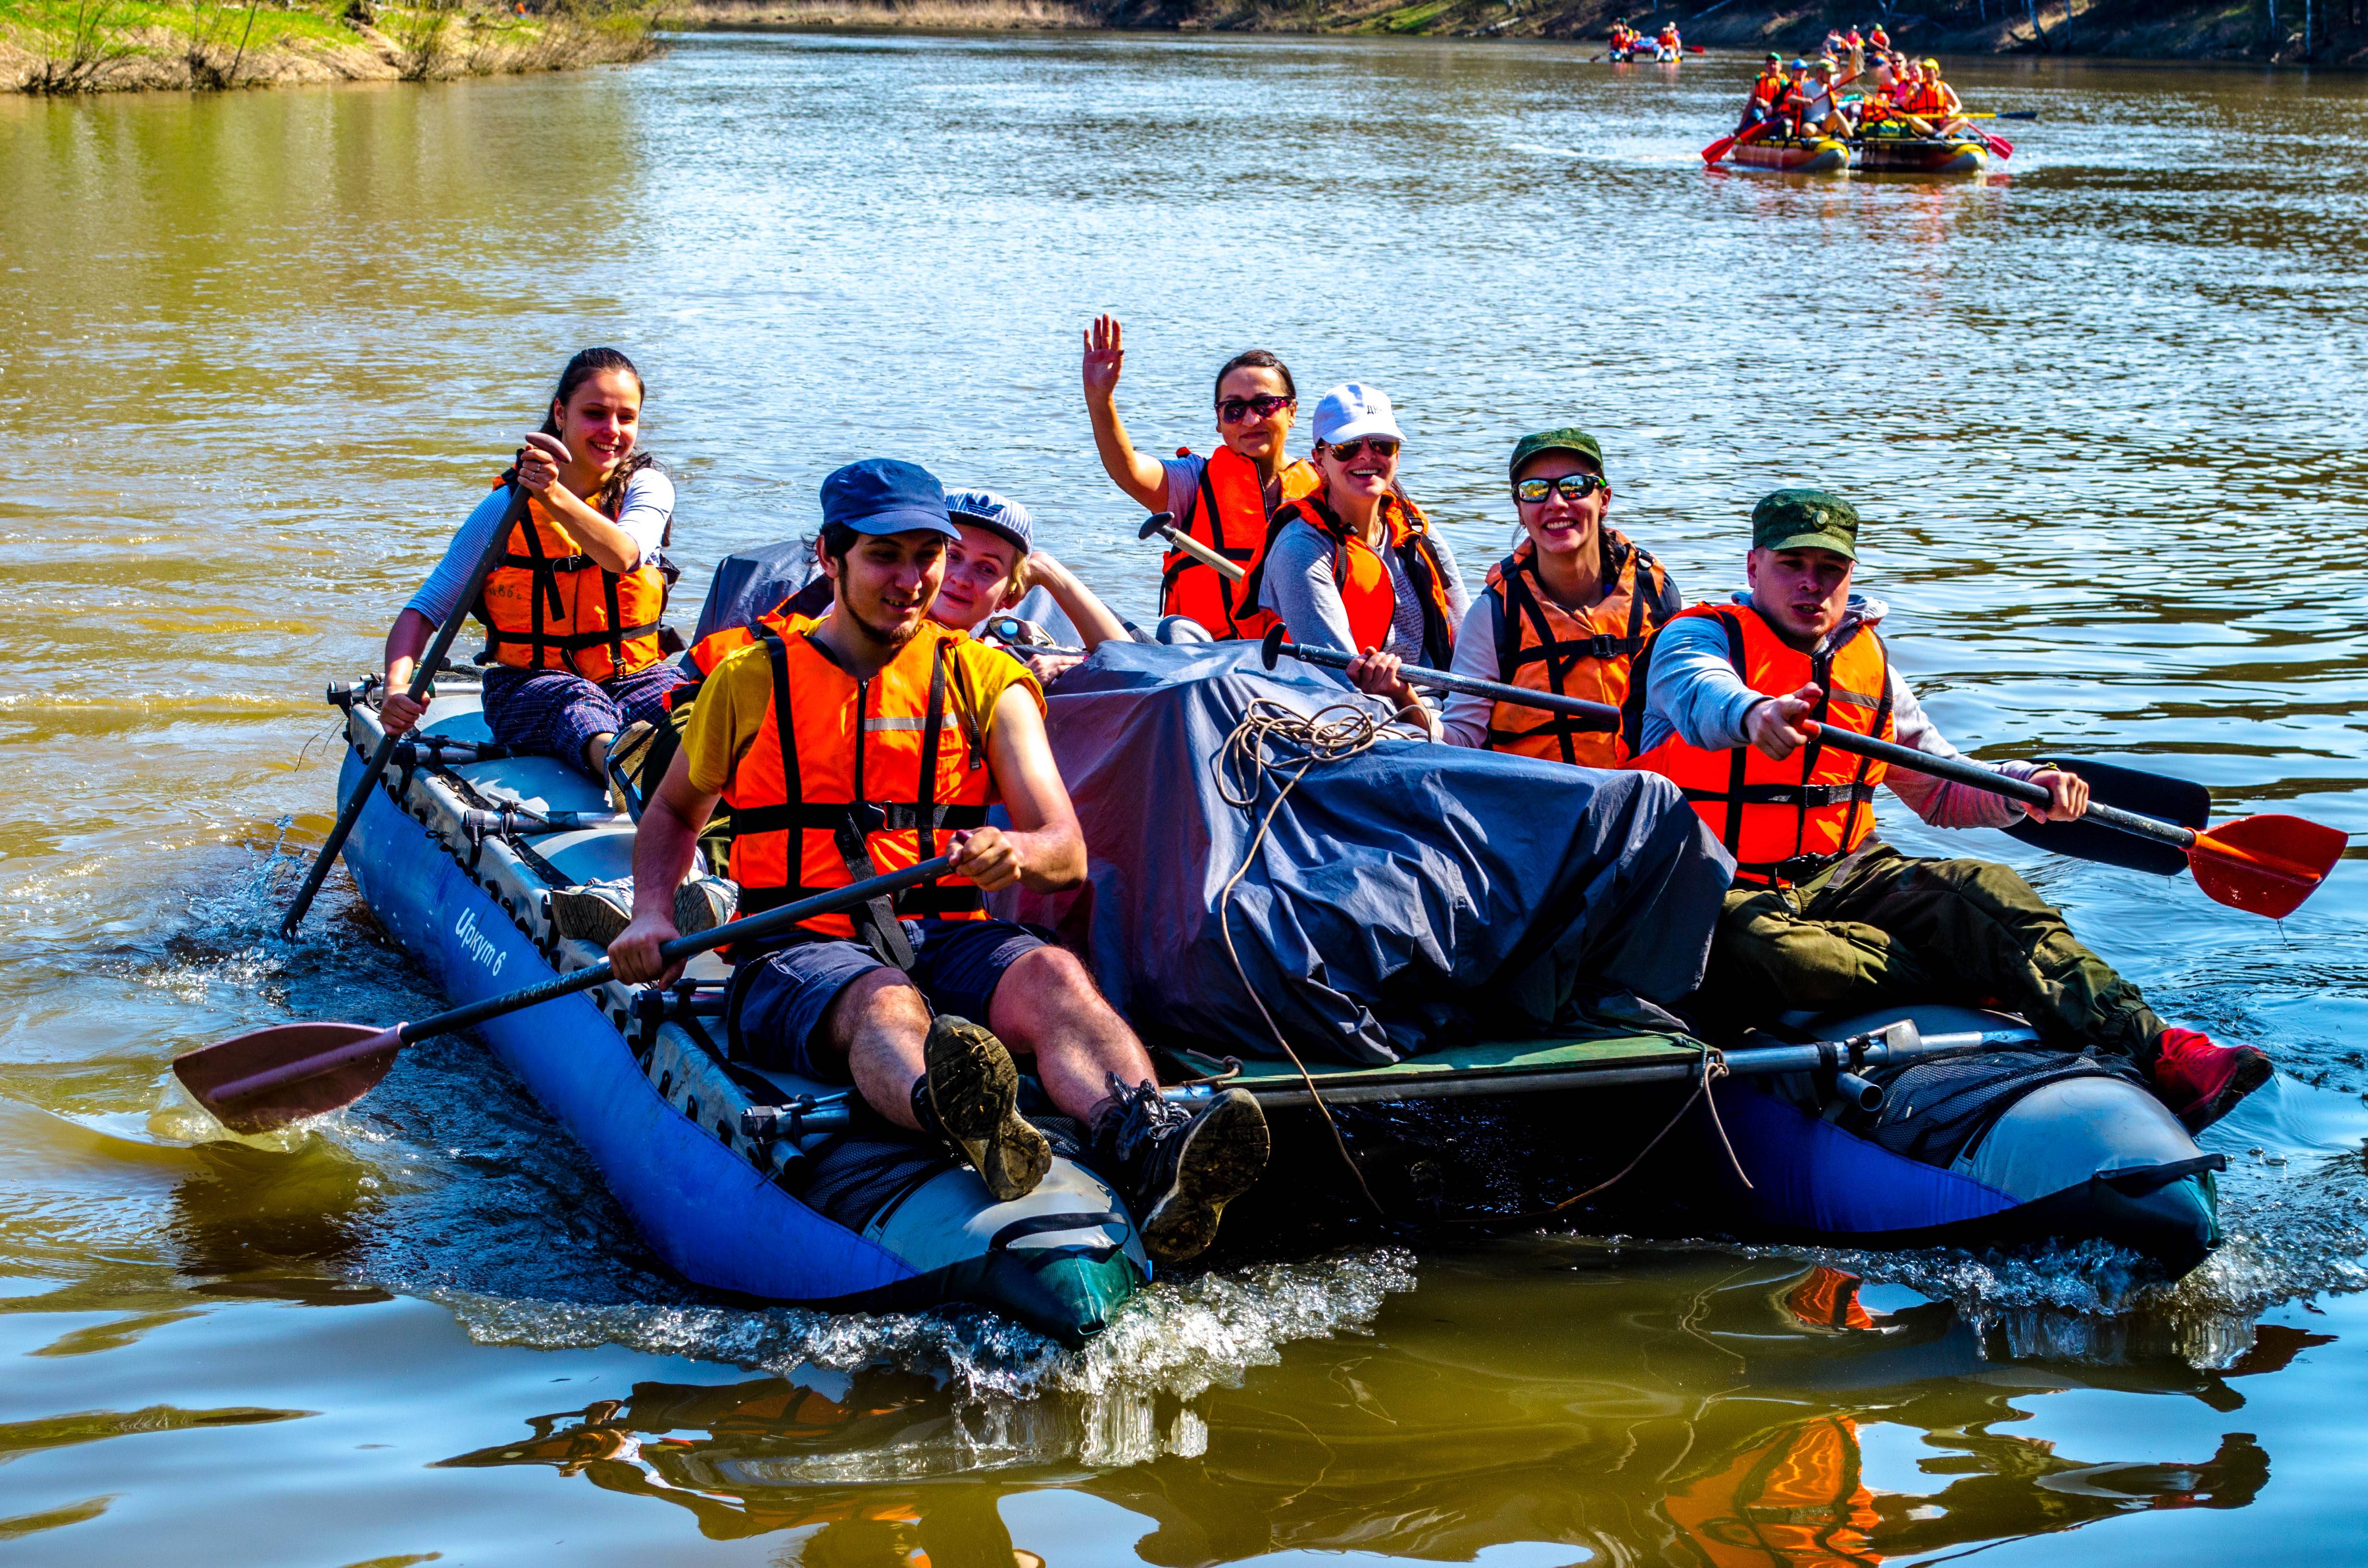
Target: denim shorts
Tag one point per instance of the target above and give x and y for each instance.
(782, 998)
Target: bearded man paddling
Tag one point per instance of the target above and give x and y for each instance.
(1825, 915)
(872, 741)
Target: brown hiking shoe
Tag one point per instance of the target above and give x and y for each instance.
(1179, 1168)
(972, 1092)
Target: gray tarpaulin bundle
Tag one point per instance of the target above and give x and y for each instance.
(1407, 898)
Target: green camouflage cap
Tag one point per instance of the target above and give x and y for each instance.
(1805, 519)
(1569, 438)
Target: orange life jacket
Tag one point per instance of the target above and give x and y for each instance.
(1880, 39)
(1669, 38)
(1363, 577)
(1929, 97)
(1228, 515)
(1543, 647)
(1769, 87)
(1783, 821)
(849, 778)
(548, 606)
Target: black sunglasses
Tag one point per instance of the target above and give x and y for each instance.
(1233, 410)
(1574, 487)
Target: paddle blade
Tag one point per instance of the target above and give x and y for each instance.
(2265, 865)
(1271, 645)
(1718, 149)
(2148, 794)
(254, 1082)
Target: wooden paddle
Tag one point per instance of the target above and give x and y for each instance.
(1606, 717)
(423, 678)
(268, 1078)
(2263, 865)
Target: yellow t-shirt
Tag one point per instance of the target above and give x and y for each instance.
(730, 709)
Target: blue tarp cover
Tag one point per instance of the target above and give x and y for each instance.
(1410, 898)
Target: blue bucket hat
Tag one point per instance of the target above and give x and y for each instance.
(882, 495)
(996, 514)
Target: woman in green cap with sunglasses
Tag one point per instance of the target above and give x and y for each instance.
(1566, 612)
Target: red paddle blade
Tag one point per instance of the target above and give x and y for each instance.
(1717, 150)
(254, 1082)
(2265, 865)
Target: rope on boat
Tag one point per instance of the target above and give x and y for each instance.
(1244, 765)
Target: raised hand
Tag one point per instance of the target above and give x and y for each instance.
(1105, 352)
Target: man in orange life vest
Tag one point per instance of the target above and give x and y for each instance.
(1824, 915)
(873, 740)
(1566, 612)
(1224, 500)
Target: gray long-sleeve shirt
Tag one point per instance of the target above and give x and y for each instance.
(1693, 692)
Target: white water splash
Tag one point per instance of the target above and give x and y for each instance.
(1017, 1396)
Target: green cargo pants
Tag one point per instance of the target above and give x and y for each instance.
(1881, 928)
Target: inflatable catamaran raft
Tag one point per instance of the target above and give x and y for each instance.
(768, 1185)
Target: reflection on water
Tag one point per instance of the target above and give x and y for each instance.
(1715, 1406)
(258, 351)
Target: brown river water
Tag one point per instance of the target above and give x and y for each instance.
(259, 352)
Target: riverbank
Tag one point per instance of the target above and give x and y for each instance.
(2324, 32)
(96, 46)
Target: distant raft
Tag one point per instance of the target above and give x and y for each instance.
(1793, 155)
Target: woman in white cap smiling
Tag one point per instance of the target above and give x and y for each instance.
(1354, 565)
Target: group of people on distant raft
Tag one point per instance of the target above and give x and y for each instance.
(1805, 98)
(1624, 43)
(861, 727)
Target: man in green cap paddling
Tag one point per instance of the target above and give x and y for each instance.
(1823, 914)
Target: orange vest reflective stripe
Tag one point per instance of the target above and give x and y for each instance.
(1543, 647)
(1363, 577)
(848, 778)
(1785, 821)
(549, 605)
(1229, 516)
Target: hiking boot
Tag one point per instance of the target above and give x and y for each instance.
(971, 1094)
(2202, 1082)
(1179, 1168)
(627, 749)
(599, 913)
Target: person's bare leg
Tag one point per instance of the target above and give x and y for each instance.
(879, 1023)
(1046, 1004)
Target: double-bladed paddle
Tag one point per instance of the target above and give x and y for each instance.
(2263, 865)
(423, 678)
(1604, 716)
(256, 1082)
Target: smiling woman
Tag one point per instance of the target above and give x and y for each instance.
(575, 603)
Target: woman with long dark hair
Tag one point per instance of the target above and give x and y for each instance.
(574, 606)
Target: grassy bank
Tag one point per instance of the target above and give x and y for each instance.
(90, 46)
(2332, 32)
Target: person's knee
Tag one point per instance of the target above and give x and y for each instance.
(1990, 884)
(1047, 993)
(880, 997)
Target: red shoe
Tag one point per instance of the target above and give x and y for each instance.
(2202, 1082)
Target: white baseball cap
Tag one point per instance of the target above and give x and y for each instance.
(1350, 412)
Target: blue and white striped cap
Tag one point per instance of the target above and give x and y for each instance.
(993, 513)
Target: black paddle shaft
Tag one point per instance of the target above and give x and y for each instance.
(1606, 717)
(423, 676)
(1958, 770)
(754, 928)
